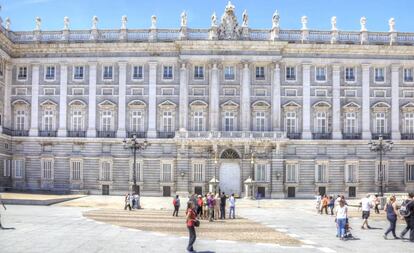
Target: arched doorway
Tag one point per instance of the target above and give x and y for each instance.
(230, 172)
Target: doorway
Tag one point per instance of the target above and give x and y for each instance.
(198, 190)
(352, 192)
(105, 189)
(291, 192)
(261, 192)
(166, 191)
(322, 190)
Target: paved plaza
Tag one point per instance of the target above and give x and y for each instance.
(61, 228)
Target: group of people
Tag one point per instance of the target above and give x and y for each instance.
(132, 201)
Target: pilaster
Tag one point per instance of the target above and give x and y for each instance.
(214, 99)
(121, 133)
(306, 132)
(152, 100)
(336, 103)
(92, 101)
(245, 98)
(63, 100)
(395, 104)
(34, 117)
(366, 121)
(276, 104)
(183, 97)
(7, 95)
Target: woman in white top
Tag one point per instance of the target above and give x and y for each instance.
(341, 217)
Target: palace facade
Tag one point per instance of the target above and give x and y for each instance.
(290, 111)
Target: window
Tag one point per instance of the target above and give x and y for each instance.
(292, 173)
(229, 92)
(350, 93)
(350, 74)
(138, 172)
(381, 172)
(137, 121)
(408, 94)
(321, 123)
(229, 73)
(320, 74)
(321, 93)
(260, 92)
(198, 121)
(167, 91)
(76, 167)
(17, 168)
(7, 168)
(321, 173)
(105, 171)
(168, 72)
(291, 122)
(137, 72)
(137, 91)
(261, 172)
(106, 120)
(22, 73)
(78, 72)
(408, 75)
(20, 124)
(167, 120)
(107, 91)
(49, 91)
(229, 121)
(48, 120)
(379, 75)
(107, 72)
(291, 92)
(290, 73)
(198, 72)
(380, 93)
(409, 172)
(77, 120)
(409, 123)
(350, 124)
(47, 169)
(50, 73)
(199, 92)
(380, 123)
(260, 121)
(2, 68)
(198, 172)
(78, 91)
(260, 73)
(21, 91)
(166, 172)
(351, 173)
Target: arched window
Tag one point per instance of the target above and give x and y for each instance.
(230, 154)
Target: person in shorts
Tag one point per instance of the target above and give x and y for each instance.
(366, 205)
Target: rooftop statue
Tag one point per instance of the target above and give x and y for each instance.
(275, 20)
(391, 23)
(38, 23)
(95, 23)
(214, 20)
(183, 19)
(229, 27)
(363, 22)
(65, 23)
(153, 22)
(245, 19)
(7, 23)
(124, 21)
(304, 21)
(333, 23)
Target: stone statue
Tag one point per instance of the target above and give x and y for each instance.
(214, 20)
(245, 19)
(275, 20)
(153, 22)
(333, 23)
(95, 23)
(7, 23)
(391, 23)
(124, 21)
(65, 23)
(304, 21)
(363, 22)
(38, 23)
(183, 19)
(229, 27)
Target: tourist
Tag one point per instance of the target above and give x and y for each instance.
(325, 202)
(392, 213)
(199, 206)
(331, 204)
(2, 203)
(406, 213)
(176, 204)
(341, 217)
(191, 219)
(127, 202)
(136, 204)
(223, 206)
(232, 210)
(376, 202)
(217, 207)
(211, 204)
(410, 208)
(337, 200)
(366, 207)
(205, 207)
(318, 202)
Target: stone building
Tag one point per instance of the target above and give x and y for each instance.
(289, 111)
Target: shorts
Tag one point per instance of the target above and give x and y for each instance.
(365, 215)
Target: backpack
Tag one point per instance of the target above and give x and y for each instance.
(404, 211)
(175, 202)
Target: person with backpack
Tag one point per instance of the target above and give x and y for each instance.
(392, 213)
(176, 204)
(406, 213)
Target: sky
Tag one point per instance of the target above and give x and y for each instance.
(22, 13)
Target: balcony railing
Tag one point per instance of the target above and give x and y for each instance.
(407, 136)
(12, 132)
(165, 135)
(47, 133)
(137, 134)
(76, 133)
(106, 134)
(232, 134)
(7, 131)
(351, 136)
(294, 136)
(385, 136)
(322, 136)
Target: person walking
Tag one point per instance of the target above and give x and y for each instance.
(341, 217)
(217, 204)
(410, 208)
(318, 202)
(406, 213)
(366, 205)
(232, 209)
(176, 204)
(211, 205)
(223, 206)
(2, 203)
(199, 206)
(376, 202)
(392, 213)
(325, 202)
(205, 207)
(127, 202)
(331, 204)
(191, 219)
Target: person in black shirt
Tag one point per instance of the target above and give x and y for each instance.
(407, 219)
(410, 207)
(223, 206)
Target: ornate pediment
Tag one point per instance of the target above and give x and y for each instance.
(229, 28)
(381, 107)
(199, 104)
(230, 105)
(167, 104)
(137, 104)
(48, 103)
(409, 107)
(77, 103)
(291, 106)
(351, 107)
(107, 104)
(322, 104)
(261, 105)
(20, 102)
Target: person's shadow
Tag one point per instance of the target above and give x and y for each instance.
(6, 228)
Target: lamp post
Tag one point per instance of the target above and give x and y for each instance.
(134, 144)
(213, 182)
(381, 146)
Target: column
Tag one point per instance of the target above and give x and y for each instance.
(395, 103)
(366, 121)
(7, 118)
(183, 97)
(214, 99)
(306, 111)
(245, 99)
(34, 116)
(121, 133)
(152, 100)
(336, 103)
(63, 100)
(276, 98)
(92, 101)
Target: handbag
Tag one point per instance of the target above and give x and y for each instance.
(196, 223)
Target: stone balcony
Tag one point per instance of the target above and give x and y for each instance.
(226, 135)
